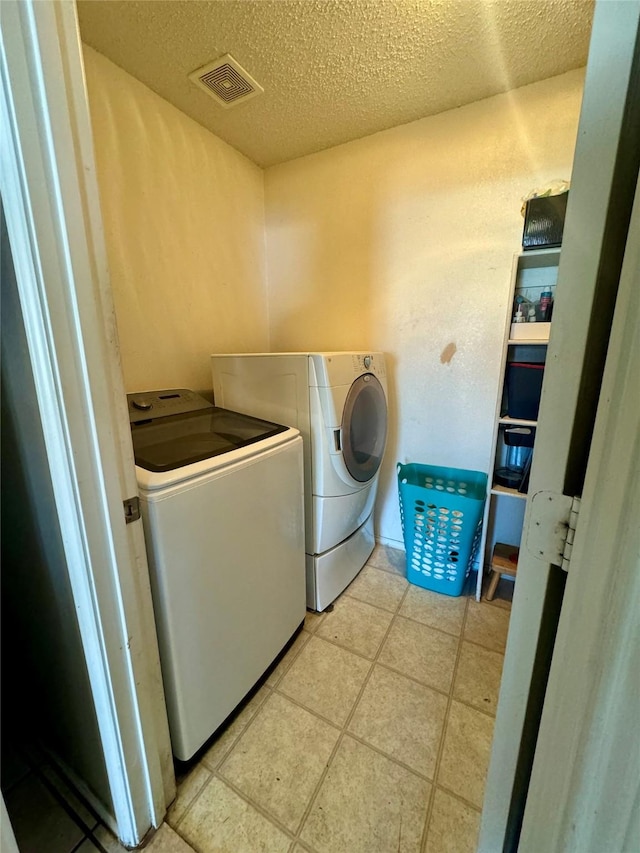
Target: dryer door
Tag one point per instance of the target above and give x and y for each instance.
(364, 428)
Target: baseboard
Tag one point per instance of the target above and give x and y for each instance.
(390, 543)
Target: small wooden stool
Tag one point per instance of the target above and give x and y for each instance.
(504, 561)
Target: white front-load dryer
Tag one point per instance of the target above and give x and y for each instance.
(348, 407)
(338, 402)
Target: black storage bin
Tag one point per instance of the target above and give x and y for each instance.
(544, 221)
(524, 386)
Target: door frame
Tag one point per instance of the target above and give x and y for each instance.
(50, 195)
(603, 184)
(584, 770)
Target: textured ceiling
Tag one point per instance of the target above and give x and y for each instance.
(336, 70)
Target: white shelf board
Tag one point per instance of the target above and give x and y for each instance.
(527, 342)
(539, 258)
(516, 422)
(504, 490)
(530, 333)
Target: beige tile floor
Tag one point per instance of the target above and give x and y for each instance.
(371, 735)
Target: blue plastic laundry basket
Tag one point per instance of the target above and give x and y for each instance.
(441, 511)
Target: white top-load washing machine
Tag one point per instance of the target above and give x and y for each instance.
(221, 499)
(338, 401)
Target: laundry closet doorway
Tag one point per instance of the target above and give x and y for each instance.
(54, 226)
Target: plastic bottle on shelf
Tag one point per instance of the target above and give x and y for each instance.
(546, 306)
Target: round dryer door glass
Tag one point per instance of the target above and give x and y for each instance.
(364, 428)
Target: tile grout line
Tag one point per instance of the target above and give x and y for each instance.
(458, 636)
(384, 754)
(388, 571)
(347, 594)
(485, 648)
(274, 684)
(344, 731)
(401, 616)
(375, 661)
(424, 625)
(436, 770)
(501, 603)
(465, 702)
(50, 786)
(351, 734)
(460, 798)
(213, 771)
(175, 826)
(295, 837)
(344, 728)
(267, 815)
(412, 678)
(399, 672)
(234, 742)
(281, 692)
(364, 601)
(397, 616)
(216, 772)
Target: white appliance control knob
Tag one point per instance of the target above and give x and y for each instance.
(367, 361)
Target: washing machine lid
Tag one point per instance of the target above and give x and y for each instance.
(171, 441)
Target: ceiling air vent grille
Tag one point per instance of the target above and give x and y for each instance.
(226, 81)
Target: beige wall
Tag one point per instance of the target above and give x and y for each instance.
(403, 242)
(184, 221)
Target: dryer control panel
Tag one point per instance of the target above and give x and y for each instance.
(369, 363)
(332, 369)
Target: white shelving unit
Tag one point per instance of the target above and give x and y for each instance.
(532, 273)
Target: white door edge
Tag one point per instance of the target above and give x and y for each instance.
(607, 101)
(587, 762)
(7, 838)
(50, 196)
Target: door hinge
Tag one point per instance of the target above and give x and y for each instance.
(552, 525)
(131, 509)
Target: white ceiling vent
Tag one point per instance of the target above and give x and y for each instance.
(226, 81)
